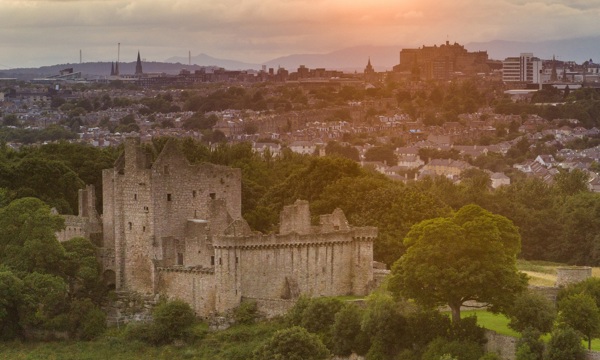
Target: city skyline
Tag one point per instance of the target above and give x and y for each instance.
(44, 32)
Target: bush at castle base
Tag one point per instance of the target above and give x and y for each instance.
(294, 343)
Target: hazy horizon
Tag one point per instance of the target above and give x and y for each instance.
(45, 32)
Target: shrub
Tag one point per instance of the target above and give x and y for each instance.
(530, 346)
(565, 344)
(347, 336)
(86, 320)
(467, 330)
(294, 343)
(172, 319)
(319, 315)
(532, 310)
(427, 325)
(246, 313)
(463, 350)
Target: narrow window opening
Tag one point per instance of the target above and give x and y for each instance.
(237, 260)
(135, 197)
(179, 259)
(212, 260)
(143, 229)
(195, 214)
(168, 197)
(193, 193)
(220, 261)
(213, 196)
(130, 225)
(336, 227)
(146, 209)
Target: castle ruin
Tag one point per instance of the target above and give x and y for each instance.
(175, 229)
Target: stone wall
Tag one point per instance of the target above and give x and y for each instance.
(176, 229)
(549, 293)
(130, 307)
(572, 274)
(284, 266)
(194, 286)
(506, 346)
(272, 307)
(503, 345)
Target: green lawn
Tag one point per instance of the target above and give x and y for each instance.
(499, 324)
(235, 343)
(495, 322)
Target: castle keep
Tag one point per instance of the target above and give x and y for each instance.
(172, 228)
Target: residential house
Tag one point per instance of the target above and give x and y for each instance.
(499, 179)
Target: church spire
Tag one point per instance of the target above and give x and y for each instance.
(138, 65)
(369, 68)
(554, 75)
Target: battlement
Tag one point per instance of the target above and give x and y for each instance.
(274, 241)
(176, 229)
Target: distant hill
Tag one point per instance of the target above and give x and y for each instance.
(96, 69)
(578, 49)
(207, 60)
(350, 59)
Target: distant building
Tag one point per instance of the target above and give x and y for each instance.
(525, 68)
(138, 66)
(499, 179)
(370, 72)
(442, 62)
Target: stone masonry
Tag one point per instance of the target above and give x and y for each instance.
(176, 229)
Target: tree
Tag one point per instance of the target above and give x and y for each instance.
(580, 312)
(590, 286)
(565, 344)
(11, 296)
(382, 153)
(385, 325)
(44, 302)
(469, 256)
(172, 319)
(532, 310)
(294, 343)
(347, 334)
(27, 241)
(571, 183)
(530, 346)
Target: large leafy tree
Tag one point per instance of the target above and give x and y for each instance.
(27, 240)
(532, 311)
(580, 312)
(470, 256)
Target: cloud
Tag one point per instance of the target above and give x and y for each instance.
(256, 30)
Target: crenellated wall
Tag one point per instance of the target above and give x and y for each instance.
(175, 229)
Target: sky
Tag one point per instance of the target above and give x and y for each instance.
(46, 32)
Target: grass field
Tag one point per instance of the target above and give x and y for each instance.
(235, 343)
(499, 324)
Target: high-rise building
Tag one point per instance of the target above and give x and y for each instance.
(525, 68)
